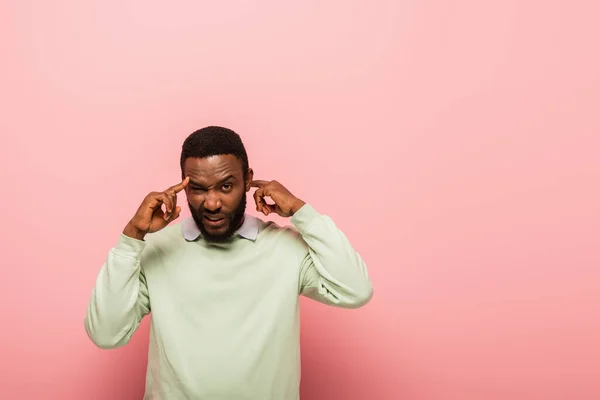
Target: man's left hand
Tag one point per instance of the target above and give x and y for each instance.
(286, 204)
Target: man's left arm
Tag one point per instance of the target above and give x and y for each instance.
(331, 272)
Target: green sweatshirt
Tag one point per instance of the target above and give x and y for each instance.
(225, 317)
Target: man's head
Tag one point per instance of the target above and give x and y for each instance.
(216, 161)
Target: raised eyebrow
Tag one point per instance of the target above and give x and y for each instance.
(222, 181)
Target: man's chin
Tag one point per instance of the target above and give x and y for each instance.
(216, 235)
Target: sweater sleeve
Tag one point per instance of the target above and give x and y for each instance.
(119, 298)
(332, 272)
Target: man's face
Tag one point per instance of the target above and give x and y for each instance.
(216, 194)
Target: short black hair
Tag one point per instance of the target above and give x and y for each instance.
(214, 141)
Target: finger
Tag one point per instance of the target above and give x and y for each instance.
(153, 201)
(173, 216)
(266, 188)
(157, 221)
(173, 198)
(258, 199)
(180, 186)
(261, 204)
(270, 208)
(166, 200)
(258, 183)
(264, 209)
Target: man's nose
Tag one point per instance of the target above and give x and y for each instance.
(212, 201)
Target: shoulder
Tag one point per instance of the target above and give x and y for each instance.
(160, 245)
(170, 236)
(286, 236)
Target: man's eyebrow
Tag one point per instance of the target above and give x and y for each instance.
(226, 179)
(193, 183)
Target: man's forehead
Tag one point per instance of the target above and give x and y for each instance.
(214, 167)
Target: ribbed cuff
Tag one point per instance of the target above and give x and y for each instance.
(304, 217)
(129, 247)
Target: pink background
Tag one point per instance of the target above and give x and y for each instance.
(456, 143)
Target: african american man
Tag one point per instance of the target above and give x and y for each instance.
(223, 286)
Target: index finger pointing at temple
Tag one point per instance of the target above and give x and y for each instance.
(258, 184)
(180, 186)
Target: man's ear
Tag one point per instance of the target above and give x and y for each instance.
(249, 179)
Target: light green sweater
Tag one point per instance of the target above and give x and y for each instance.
(225, 317)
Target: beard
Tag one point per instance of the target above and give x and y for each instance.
(233, 219)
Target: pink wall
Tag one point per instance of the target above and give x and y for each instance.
(455, 142)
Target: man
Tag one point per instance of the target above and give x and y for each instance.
(223, 286)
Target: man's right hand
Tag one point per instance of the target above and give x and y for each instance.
(150, 217)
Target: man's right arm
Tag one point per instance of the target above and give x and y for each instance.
(119, 298)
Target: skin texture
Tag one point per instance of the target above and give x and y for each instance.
(216, 190)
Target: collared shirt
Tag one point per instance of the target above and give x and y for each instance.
(225, 318)
(248, 229)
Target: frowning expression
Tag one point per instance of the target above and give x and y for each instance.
(216, 194)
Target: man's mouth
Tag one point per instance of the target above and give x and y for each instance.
(214, 220)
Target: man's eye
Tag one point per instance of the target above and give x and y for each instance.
(227, 186)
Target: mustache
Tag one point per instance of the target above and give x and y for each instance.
(211, 215)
